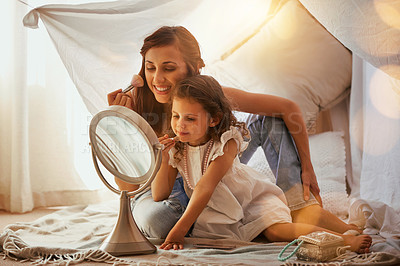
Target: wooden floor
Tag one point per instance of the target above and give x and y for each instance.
(7, 218)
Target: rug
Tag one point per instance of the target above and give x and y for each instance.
(73, 235)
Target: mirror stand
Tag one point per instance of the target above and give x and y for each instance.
(129, 149)
(125, 238)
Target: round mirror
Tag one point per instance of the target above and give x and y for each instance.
(124, 148)
(125, 144)
(129, 149)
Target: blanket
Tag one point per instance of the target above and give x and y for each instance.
(73, 235)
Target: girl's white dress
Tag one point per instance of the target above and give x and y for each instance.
(243, 204)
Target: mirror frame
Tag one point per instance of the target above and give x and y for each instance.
(143, 128)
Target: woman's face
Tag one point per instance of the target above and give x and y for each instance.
(164, 68)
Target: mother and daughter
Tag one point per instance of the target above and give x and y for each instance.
(201, 188)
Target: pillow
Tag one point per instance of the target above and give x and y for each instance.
(292, 56)
(328, 158)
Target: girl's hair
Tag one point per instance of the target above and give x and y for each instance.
(206, 91)
(144, 101)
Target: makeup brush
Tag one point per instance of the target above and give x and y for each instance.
(137, 81)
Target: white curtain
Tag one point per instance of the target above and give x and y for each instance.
(44, 152)
(371, 30)
(375, 134)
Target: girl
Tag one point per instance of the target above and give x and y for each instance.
(171, 54)
(227, 198)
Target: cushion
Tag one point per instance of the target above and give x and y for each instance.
(328, 158)
(291, 56)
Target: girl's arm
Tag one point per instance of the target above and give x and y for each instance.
(289, 111)
(163, 182)
(201, 195)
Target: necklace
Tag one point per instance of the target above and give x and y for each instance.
(185, 164)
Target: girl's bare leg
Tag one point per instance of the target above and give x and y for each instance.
(291, 231)
(315, 215)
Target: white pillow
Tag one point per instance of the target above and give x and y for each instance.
(328, 157)
(291, 56)
(329, 160)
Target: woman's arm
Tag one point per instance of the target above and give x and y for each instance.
(124, 99)
(289, 111)
(201, 195)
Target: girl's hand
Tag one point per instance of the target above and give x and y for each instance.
(125, 99)
(310, 184)
(173, 241)
(168, 144)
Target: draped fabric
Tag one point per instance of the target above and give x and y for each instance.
(375, 134)
(371, 30)
(44, 152)
(99, 43)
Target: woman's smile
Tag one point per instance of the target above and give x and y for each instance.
(164, 68)
(162, 89)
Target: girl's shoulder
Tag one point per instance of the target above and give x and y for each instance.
(232, 133)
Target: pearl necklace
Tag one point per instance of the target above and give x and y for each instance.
(185, 165)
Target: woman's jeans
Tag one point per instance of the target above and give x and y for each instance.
(156, 219)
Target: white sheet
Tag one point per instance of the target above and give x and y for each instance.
(99, 43)
(370, 29)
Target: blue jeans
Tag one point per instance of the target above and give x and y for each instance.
(156, 219)
(272, 135)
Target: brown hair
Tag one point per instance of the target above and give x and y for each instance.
(206, 91)
(145, 102)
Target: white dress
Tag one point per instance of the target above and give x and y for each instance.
(243, 204)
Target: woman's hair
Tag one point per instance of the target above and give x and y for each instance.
(144, 101)
(206, 91)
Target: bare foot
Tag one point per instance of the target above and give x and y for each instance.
(359, 244)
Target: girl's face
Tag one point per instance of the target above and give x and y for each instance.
(190, 121)
(164, 67)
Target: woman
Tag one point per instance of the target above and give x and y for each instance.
(169, 55)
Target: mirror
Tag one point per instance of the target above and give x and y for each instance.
(129, 149)
(124, 148)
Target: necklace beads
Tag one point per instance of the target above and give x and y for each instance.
(185, 164)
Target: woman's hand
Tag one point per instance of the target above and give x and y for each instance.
(310, 184)
(125, 99)
(119, 98)
(174, 240)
